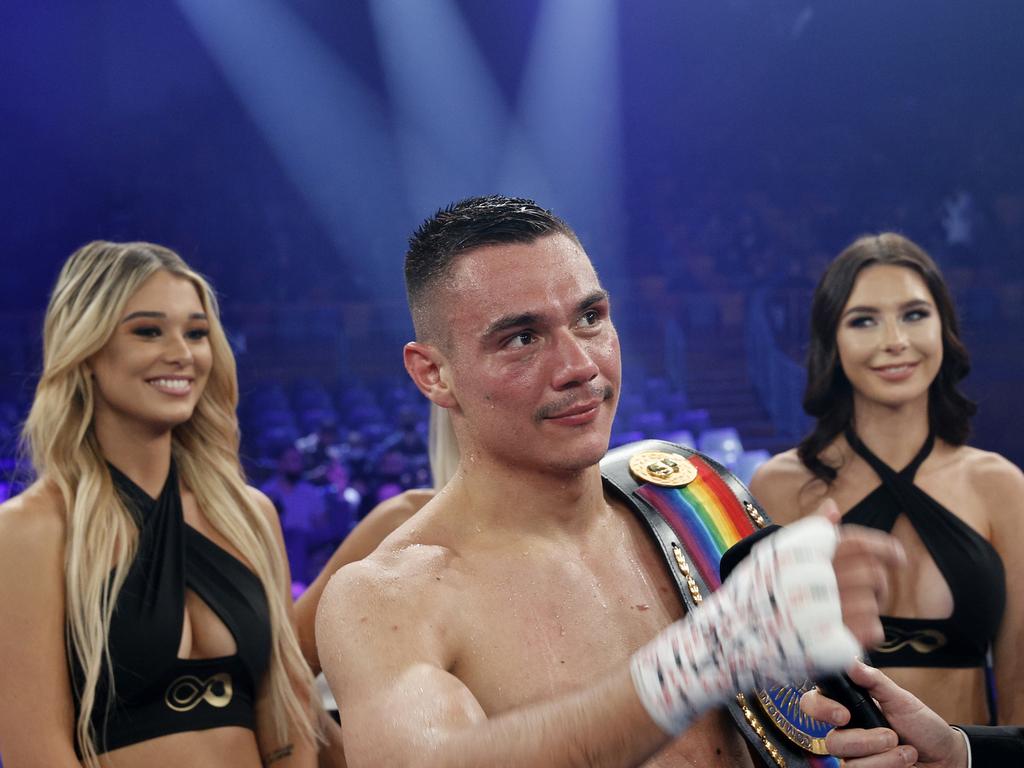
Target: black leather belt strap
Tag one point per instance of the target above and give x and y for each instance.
(774, 750)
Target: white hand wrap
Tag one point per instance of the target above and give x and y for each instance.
(776, 619)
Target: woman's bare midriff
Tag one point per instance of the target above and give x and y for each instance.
(958, 695)
(230, 747)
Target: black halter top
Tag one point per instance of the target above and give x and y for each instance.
(155, 692)
(970, 565)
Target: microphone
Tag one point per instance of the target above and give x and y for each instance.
(864, 713)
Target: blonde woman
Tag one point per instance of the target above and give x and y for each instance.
(143, 585)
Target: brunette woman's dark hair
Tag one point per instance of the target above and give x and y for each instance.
(828, 396)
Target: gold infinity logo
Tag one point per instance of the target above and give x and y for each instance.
(187, 691)
(923, 641)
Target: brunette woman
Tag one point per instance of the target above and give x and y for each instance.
(889, 446)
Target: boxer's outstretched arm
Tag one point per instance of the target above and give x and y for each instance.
(382, 648)
(382, 643)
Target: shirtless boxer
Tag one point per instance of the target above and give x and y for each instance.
(524, 617)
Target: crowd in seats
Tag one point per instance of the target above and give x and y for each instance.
(709, 245)
(327, 455)
(325, 458)
(10, 424)
(361, 442)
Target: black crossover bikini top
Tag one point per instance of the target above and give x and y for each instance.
(970, 565)
(157, 693)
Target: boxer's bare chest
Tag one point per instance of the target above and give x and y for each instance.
(540, 619)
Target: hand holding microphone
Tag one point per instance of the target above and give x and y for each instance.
(917, 734)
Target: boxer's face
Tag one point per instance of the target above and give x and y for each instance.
(533, 355)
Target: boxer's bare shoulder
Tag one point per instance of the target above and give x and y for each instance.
(401, 587)
(385, 640)
(400, 570)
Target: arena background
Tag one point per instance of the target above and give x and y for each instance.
(713, 157)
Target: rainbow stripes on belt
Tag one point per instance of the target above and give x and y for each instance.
(708, 519)
(705, 515)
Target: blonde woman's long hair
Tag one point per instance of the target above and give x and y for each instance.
(88, 300)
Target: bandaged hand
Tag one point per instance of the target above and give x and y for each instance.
(777, 619)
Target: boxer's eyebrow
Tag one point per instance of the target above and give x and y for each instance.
(595, 298)
(511, 321)
(524, 319)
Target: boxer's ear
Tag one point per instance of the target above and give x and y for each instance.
(429, 370)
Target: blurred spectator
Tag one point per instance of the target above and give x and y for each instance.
(342, 499)
(408, 441)
(958, 219)
(302, 508)
(322, 449)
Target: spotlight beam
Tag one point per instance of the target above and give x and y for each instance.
(329, 131)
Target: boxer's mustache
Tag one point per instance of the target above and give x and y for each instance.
(592, 392)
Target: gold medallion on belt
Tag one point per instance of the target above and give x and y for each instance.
(671, 470)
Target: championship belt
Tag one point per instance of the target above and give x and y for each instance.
(696, 509)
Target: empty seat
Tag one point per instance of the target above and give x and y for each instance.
(683, 437)
(722, 444)
(748, 462)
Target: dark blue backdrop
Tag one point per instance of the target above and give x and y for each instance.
(704, 151)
